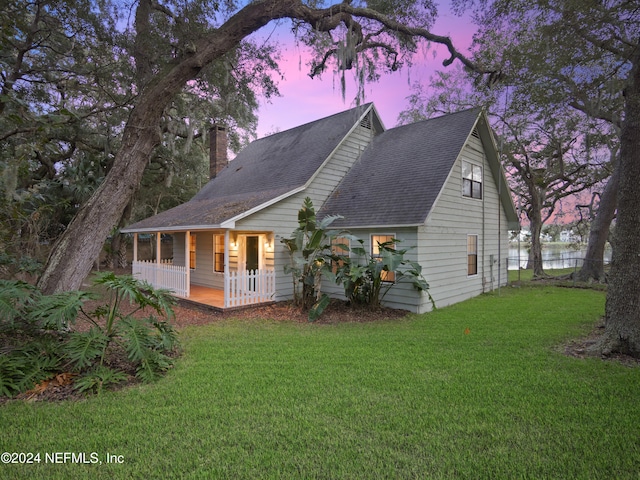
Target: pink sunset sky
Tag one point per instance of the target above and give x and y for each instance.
(304, 99)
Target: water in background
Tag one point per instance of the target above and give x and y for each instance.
(553, 256)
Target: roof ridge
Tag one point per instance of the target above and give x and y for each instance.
(361, 107)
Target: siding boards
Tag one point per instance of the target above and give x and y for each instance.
(443, 242)
(203, 274)
(178, 249)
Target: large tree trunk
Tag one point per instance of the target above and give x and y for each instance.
(534, 214)
(535, 254)
(622, 315)
(593, 266)
(118, 241)
(73, 254)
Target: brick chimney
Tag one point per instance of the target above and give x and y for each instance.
(217, 149)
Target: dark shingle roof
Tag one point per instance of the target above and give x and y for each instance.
(266, 169)
(400, 174)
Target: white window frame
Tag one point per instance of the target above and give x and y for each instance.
(387, 277)
(215, 253)
(475, 169)
(472, 253)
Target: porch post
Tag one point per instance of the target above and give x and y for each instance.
(187, 260)
(135, 247)
(227, 246)
(158, 248)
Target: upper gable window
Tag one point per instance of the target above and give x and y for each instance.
(471, 180)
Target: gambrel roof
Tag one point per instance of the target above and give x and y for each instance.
(395, 181)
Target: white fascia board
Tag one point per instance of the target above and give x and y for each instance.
(227, 224)
(173, 229)
(375, 110)
(499, 176)
(377, 227)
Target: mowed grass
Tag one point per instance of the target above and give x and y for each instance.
(410, 398)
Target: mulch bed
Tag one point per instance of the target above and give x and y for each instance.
(338, 311)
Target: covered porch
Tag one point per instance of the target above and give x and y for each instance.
(219, 268)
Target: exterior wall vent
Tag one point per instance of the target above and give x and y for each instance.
(475, 133)
(366, 122)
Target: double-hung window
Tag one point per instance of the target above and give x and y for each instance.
(218, 253)
(192, 252)
(339, 248)
(471, 180)
(472, 255)
(387, 241)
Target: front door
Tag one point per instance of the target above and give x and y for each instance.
(251, 255)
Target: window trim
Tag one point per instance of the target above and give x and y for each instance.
(192, 251)
(472, 253)
(387, 277)
(471, 181)
(334, 251)
(217, 253)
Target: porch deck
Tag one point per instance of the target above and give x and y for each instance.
(206, 296)
(213, 299)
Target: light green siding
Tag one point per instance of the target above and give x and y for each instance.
(443, 239)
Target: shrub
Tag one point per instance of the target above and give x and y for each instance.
(41, 335)
(309, 248)
(363, 277)
(97, 379)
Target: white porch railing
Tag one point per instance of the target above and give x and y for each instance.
(164, 275)
(249, 286)
(240, 288)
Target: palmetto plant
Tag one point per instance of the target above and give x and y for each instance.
(71, 339)
(143, 339)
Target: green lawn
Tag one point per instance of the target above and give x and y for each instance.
(414, 398)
